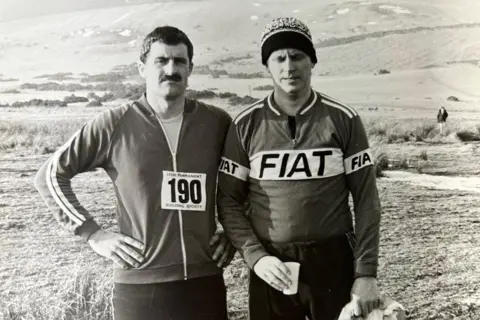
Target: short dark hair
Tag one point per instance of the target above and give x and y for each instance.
(168, 35)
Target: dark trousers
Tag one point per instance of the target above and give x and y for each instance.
(197, 298)
(325, 280)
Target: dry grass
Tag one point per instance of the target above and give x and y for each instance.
(85, 295)
(47, 274)
(40, 138)
(44, 137)
(428, 256)
(392, 131)
(87, 292)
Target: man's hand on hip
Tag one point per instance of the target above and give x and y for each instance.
(366, 296)
(273, 271)
(223, 250)
(121, 249)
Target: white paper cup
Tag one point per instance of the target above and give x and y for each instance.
(294, 272)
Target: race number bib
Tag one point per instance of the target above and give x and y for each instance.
(184, 191)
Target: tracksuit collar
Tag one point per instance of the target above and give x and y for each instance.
(272, 105)
(188, 108)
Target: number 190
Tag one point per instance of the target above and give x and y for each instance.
(185, 191)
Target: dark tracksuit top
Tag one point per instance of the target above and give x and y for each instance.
(165, 200)
(298, 188)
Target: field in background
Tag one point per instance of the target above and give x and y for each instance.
(352, 37)
(429, 246)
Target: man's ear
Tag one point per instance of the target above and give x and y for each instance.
(141, 69)
(190, 69)
(312, 64)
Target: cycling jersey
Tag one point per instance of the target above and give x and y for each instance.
(296, 188)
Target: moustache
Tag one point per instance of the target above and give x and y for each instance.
(174, 77)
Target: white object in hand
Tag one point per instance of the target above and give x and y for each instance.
(392, 311)
(294, 273)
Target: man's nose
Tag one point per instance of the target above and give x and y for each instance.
(289, 64)
(169, 68)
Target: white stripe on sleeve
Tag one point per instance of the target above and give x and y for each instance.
(55, 189)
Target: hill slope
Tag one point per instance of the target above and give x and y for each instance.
(351, 36)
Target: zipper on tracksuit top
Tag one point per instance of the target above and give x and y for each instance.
(180, 217)
(292, 127)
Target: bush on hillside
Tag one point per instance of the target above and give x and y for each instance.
(423, 155)
(237, 100)
(105, 77)
(93, 96)
(74, 99)
(465, 136)
(423, 132)
(59, 76)
(55, 86)
(107, 96)
(453, 98)
(216, 73)
(383, 71)
(202, 94)
(39, 103)
(243, 75)
(8, 80)
(202, 69)
(267, 87)
(126, 69)
(95, 103)
(377, 130)
(14, 91)
(118, 91)
(395, 137)
(232, 59)
(381, 164)
(226, 95)
(131, 92)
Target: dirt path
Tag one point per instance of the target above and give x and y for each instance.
(470, 184)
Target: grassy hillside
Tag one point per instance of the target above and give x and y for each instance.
(11, 10)
(351, 36)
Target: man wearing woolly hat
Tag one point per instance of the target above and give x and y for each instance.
(295, 157)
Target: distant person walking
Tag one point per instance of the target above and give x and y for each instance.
(442, 118)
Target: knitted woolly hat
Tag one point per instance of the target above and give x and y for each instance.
(286, 32)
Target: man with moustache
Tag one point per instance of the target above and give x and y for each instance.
(290, 163)
(162, 154)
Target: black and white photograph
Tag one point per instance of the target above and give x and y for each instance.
(237, 159)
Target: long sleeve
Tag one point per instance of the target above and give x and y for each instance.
(231, 198)
(87, 149)
(361, 181)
